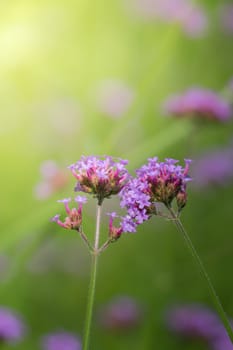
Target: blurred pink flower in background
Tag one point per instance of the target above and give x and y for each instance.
(195, 321)
(213, 168)
(122, 313)
(190, 16)
(53, 180)
(199, 102)
(226, 17)
(114, 98)
(61, 341)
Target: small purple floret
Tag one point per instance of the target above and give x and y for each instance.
(65, 200)
(61, 341)
(55, 218)
(112, 215)
(81, 199)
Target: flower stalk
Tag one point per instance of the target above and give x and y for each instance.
(198, 261)
(92, 286)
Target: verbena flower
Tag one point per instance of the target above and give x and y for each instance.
(122, 313)
(100, 176)
(155, 182)
(53, 179)
(199, 103)
(214, 168)
(190, 16)
(12, 327)
(61, 341)
(194, 321)
(73, 221)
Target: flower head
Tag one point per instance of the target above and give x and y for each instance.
(191, 17)
(100, 177)
(214, 168)
(61, 341)
(194, 321)
(73, 221)
(155, 182)
(12, 328)
(53, 179)
(201, 103)
(120, 314)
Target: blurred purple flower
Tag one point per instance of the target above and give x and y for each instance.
(200, 103)
(53, 179)
(226, 17)
(222, 343)
(190, 16)
(230, 84)
(61, 341)
(12, 327)
(214, 168)
(194, 321)
(122, 313)
(114, 98)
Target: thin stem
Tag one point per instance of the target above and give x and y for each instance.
(86, 241)
(91, 293)
(214, 296)
(97, 232)
(104, 246)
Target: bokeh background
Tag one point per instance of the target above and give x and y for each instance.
(86, 78)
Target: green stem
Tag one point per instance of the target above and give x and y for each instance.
(214, 296)
(91, 293)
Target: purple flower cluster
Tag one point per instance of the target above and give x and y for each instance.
(201, 103)
(73, 221)
(12, 327)
(198, 322)
(100, 177)
(214, 168)
(191, 17)
(120, 314)
(155, 182)
(61, 341)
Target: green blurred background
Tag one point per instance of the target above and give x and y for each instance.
(54, 57)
